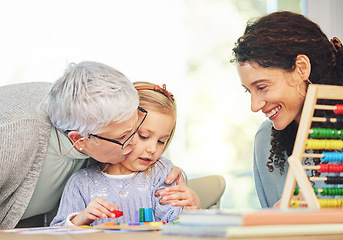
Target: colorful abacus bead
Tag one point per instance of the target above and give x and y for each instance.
(339, 109)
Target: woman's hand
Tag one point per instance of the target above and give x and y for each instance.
(299, 197)
(180, 195)
(96, 209)
(176, 176)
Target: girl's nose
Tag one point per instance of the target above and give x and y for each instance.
(151, 148)
(257, 103)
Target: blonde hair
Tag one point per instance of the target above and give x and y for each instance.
(152, 96)
(159, 100)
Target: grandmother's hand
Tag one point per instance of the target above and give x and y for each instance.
(176, 176)
(180, 196)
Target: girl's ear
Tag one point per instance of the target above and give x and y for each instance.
(303, 66)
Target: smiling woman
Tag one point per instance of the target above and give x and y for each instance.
(277, 57)
(273, 91)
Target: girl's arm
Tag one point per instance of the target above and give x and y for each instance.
(163, 212)
(76, 203)
(72, 201)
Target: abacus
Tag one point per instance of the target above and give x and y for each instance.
(312, 143)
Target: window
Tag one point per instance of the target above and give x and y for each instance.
(185, 44)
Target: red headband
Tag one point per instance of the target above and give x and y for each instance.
(336, 43)
(158, 89)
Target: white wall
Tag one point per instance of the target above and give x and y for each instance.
(328, 14)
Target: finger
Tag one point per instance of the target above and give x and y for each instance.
(103, 207)
(192, 207)
(164, 202)
(117, 213)
(173, 189)
(157, 193)
(174, 176)
(93, 213)
(91, 217)
(106, 204)
(176, 196)
(180, 203)
(181, 179)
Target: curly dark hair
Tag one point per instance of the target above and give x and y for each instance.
(275, 40)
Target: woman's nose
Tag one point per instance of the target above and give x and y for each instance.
(257, 103)
(134, 139)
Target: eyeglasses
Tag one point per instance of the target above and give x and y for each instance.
(124, 145)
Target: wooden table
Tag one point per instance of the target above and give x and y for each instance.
(151, 235)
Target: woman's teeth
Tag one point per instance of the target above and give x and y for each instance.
(273, 112)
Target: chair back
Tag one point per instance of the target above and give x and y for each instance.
(209, 189)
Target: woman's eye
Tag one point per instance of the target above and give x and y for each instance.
(142, 137)
(262, 87)
(122, 137)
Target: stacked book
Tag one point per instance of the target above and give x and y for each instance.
(257, 223)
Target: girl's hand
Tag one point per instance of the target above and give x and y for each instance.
(180, 195)
(96, 209)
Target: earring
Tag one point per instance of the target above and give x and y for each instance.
(81, 149)
(298, 87)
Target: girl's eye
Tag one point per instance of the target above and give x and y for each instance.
(161, 142)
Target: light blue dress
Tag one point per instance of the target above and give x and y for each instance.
(269, 185)
(130, 192)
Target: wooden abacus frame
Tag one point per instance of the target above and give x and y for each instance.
(296, 172)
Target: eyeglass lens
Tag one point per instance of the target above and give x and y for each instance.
(127, 141)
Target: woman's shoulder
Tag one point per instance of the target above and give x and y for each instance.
(24, 101)
(263, 134)
(264, 129)
(265, 126)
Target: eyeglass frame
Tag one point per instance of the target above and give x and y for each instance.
(129, 138)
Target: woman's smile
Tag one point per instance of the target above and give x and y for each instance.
(271, 114)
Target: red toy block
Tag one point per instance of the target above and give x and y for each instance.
(118, 213)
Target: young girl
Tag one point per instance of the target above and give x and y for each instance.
(91, 195)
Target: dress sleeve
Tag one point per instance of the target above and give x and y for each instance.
(163, 159)
(73, 199)
(165, 213)
(261, 154)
